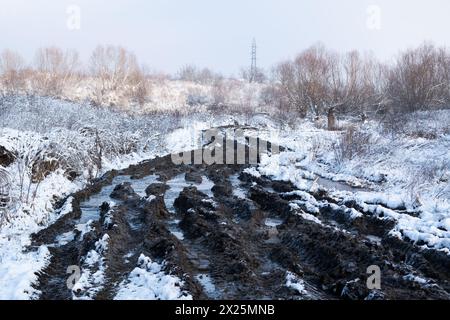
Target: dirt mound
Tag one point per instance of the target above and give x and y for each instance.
(6, 157)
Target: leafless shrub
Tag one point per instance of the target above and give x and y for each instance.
(420, 79)
(112, 66)
(393, 123)
(5, 185)
(434, 173)
(117, 70)
(429, 125)
(12, 71)
(196, 97)
(272, 96)
(53, 69)
(220, 92)
(203, 76)
(139, 87)
(315, 81)
(306, 82)
(187, 73)
(259, 76)
(351, 144)
(316, 147)
(319, 79)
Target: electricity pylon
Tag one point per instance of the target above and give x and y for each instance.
(253, 69)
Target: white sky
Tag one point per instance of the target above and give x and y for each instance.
(166, 34)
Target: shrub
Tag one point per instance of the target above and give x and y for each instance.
(351, 144)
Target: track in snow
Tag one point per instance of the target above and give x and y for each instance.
(226, 234)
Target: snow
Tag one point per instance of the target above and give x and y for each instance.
(18, 268)
(84, 228)
(416, 173)
(237, 190)
(207, 284)
(294, 282)
(186, 138)
(17, 272)
(413, 278)
(148, 281)
(65, 238)
(392, 201)
(273, 223)
(253, 172)
(92, 272)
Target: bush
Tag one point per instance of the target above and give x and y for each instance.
(351, 144)
(420, 79)
(5, 185)
(53, 69)
(12, 69)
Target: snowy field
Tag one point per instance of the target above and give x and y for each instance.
(60, 146)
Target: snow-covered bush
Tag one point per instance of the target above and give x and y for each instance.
(12, 71)
(353, 142)
(73, 141)
(5, 186)
(54, 68)
(419, 79)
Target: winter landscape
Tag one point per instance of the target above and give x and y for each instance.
(347, 196)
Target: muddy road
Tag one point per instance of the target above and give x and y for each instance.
(230, 235)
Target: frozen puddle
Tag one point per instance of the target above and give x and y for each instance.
(237, 189)
(178, 183)
(90, 208)
(139, 185)
(329, 184)
(273, 223)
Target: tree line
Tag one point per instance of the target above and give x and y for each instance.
(316, 81)
(53, 69)
(319, 79)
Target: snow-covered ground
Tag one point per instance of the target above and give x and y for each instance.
(405, 170)
(401, 171)
(148, 282)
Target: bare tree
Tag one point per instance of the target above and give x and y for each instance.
(54, 68)
(419, 78)
(187, 73)
(319, 79)
(139, 85)
(12, 67)
(360, 75)
(259, 77)
(113, 66)
(203, 76)
(116, 68)
(307, 81)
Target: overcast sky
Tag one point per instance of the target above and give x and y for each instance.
(166, 34)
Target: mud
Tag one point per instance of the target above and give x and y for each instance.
(240, 232)
(6, 157)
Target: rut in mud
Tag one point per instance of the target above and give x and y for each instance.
(229, 235)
